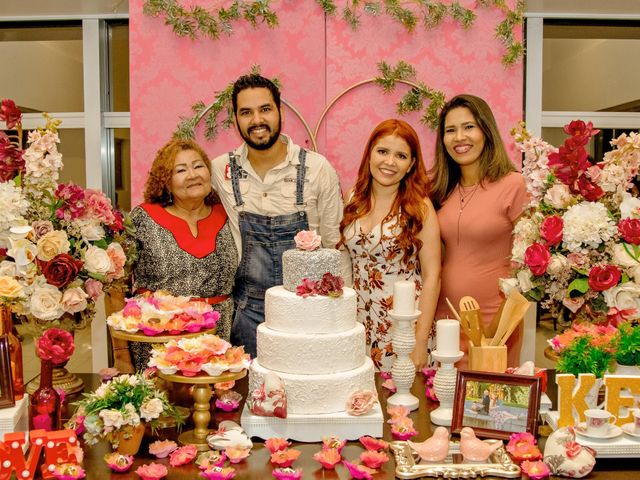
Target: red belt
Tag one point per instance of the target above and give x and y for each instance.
(209, 300)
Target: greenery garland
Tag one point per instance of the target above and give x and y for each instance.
(198, 20)
(412, 101)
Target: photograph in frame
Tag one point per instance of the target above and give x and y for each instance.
(496, 405)
(6, 381)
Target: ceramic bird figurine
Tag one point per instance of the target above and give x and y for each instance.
(433, 449)
(474, 449)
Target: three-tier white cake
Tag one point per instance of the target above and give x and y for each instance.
(317, 347)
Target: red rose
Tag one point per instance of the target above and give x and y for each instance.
(629, 228)
(537, 258)
(603, 278)
(55, 345)
(61, 270)
(10, 113)
(551, 230)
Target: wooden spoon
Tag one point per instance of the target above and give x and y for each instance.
(463, 322)
(517, 317)
(470, 308)
(515, 303)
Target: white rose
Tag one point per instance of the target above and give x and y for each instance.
(151, 409)
(557, 265)
(524, 280)
(623, 297)
(112, 418)
(52, 244)
(96, 260)
(131, 417)
(74, 300)
(508, 284)
(91, 232)
(46, 303)
(622, 258)
(8, 268)
(23, 253)
(518, 249)
(628, 205)
(558, 196)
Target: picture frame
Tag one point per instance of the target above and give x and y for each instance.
(6, 379)
(496, 405)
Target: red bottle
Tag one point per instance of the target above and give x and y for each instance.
(15, 351)
(45, 409)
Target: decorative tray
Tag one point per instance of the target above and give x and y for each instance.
(141, 337)
(408, 464)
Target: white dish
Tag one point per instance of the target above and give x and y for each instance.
(613, 432)
(628, 428)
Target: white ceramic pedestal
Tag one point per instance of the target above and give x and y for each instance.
(311, 428)
(403, 370)
(444, 384)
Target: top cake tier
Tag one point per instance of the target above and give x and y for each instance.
(300, 264)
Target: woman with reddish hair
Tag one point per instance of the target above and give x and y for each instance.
(390, 230)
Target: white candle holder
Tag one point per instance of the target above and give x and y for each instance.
(444, 384)
(403, 370)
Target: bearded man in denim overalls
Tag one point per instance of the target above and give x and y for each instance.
(271, 189)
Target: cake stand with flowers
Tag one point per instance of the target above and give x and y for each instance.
(202, 393)
(141, 337)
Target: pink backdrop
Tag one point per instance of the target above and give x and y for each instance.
(315, 58)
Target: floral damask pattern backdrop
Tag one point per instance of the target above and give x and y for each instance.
(315, 58)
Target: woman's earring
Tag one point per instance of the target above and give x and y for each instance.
(170, 197)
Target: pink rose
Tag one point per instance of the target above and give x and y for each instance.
(183, 455)
(537, 258)
(361, 402)
(573, 304)
(74, 300)
(41, 228)
(603, 278)
(118, 259)
(551, 230)
(93, 288)
(307, 240)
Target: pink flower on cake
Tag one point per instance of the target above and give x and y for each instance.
(162, 448)
(306, 289)
(284, 458)
(118, 462)
(374, 459)
(328, 458)
(373, 444)
(287, 473)
(361, 402)
(152, 471)
(359, 471)
(333, 442)
(218, 473)
(276, 444)
(183, 455)
(307, 240)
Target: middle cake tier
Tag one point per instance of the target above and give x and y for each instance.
(311, 353)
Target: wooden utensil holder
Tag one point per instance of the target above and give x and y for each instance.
(488, 358)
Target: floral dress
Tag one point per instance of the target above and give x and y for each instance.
(376, 260)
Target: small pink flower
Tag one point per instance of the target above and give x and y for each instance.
(333, 442)
(284, 458)
(225, 385)
(276, 444)
(68, 471)
(373, 444)
(374, 459)
(93, 288)
(397, 411)
(389, 385)
(306, 289)
(118, 462)
(162, 448)
(328, 458)
(361, 402)
(108, 373)
(236, 455)
(210, 458)
(228, 401)
(218, 473)
(287, 473)
(307, 240)
(152, 471)
(358, 471)
(535, 470)
(572, 449)
(183, 455)
(402, 428)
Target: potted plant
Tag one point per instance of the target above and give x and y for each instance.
(118, 410)
(627, 349)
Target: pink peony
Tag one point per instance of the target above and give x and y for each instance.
(118, 462)
(374, 459)
(228, 401)
(152, 471)
(162, 448)
(68, 471)
(307, 240)
(210, 458)
(359, 471)
(328, 458)
(330, 286)
(333, 442)
(218, 473)
(183, 455)
(535, 470)
(276, 444)
(284, 458)
(361, 402)
(237, 455)
(287, 473)
(373, 444)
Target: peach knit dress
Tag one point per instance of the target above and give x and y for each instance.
(477, 249)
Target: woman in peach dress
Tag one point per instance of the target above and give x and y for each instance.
(478, 196)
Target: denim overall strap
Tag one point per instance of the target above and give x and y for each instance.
(264, 240)
(235, 177)
(302, 157)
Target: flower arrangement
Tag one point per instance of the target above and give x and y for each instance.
(585, 348)
(329, 286)
(120, 405)
(578, 244)
(60, 245)
(207, 353)
(158, 312)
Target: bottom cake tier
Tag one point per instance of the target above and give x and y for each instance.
(318, 394)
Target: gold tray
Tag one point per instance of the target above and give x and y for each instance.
(499, 464)
(142, 338)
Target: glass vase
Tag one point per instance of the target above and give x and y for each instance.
(15, 352)
(45, 408)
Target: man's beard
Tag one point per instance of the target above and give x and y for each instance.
(266, 145)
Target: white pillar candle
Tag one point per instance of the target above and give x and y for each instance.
(447, 337)
(404, 298)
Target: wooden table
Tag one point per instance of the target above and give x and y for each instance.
(258, 467)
